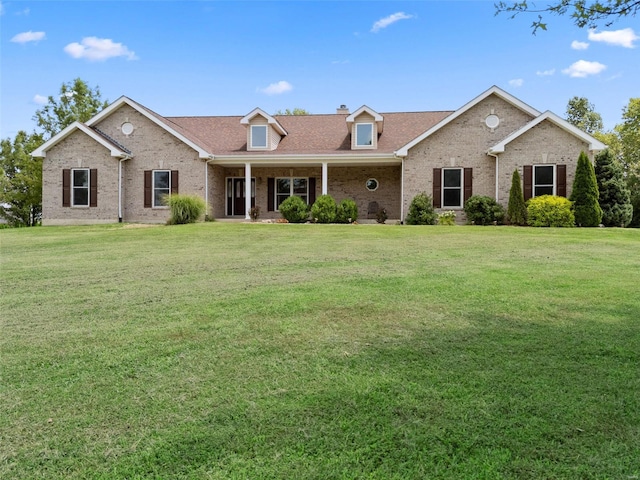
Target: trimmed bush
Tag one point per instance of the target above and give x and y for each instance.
(550, 211)
(447, 218)
(185, 208)
(347, 211)
(294, 210)
(324, 209)
(421, 211)
(483, 210)
(584, 194)
(516, 209)
(614, 196)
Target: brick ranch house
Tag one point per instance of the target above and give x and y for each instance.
(119, 165)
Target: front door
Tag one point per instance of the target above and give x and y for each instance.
(236, 196)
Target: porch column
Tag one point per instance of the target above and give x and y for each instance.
(325, 178)
(247, 190)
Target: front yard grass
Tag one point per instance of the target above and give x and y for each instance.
(311, 351)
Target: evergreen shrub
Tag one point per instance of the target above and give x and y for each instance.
(550, 211)
(347, 211)
(324, 209)
(614, 196)
(294, 210)
(185, 208)
(483, 210)
(516, 209)
(584, 194)
(421, 211)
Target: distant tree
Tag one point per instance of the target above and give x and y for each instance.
(75, 102)
(516, 209)
(629, 133)
(295, 111)
(584, 194)
(582, 114)
(21, 180)
(585, 13)
(614, 196)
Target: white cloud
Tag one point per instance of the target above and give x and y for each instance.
(516, 82)
(277, 88)
(99, 49)
(1, 8)
(40, 99)
(26, 37)
(583, 68)
(576, 45)
(386, 21)
(620, 38)
(25, 12)
(546, 73)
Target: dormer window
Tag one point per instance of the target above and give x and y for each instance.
(364, 134)
(258, 136)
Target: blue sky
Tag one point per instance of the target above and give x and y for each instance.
(226, 58)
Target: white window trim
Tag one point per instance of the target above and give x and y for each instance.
(88, 187)
(153, 189)
(461, 188)
(533, 179)
(266, 138)
(367, 184)
(291, 194)
(373, 135)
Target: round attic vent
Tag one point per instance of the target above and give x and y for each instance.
(492, 121)
(127, 128)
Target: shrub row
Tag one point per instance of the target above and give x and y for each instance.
(324, 210)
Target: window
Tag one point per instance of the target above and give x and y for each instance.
(258, 136)
(80, 188)
(372, 184)
(364, 134)
(452, 187)
(543, 180)
(161, 187)
(287, 187)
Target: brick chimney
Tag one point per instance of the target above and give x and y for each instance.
(342, 109)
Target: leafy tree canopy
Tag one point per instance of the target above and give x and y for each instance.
(584, 13)
(75, 102)
(582, 114)
(295, 111)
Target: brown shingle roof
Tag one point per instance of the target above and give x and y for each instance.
(307, 134)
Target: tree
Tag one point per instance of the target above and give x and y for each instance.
(584, 13)
(516, 209)
(584, 194)
(614, 196)
(21, 180)
(295, 111)
(629, 133)
(76, 102)
(582, 114)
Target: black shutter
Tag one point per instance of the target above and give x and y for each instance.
(527, 175)
(468, 183)
(174, 182)
(93, 193)
(561, 182)
(437, 187)
(271, 192)
(312, 190)
(147, 188)
(66, 187)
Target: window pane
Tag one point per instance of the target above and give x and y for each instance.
(283, 186)
(159, 196)
(452, 178)
(300, 186)
(80, 196)
(542, 191)
(364, 134)
(451, 198)
(258, 136)
(160, 180)
(280, 199)
(81, 178)
(543, 175)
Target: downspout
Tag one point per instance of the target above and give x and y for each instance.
(402, 192)
(206, 185)
(122, 159)
(497, 171)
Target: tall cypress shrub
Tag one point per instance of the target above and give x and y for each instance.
(584, 194)
(615, 198)
(516, 209)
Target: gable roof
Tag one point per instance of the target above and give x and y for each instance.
(379, 119)
(270, 120)
(182, 135)
(594, 144)
(404, 150)
(115, 149)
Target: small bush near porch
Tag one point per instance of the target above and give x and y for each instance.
(219, 350)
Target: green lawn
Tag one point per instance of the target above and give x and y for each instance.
(315, 351)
